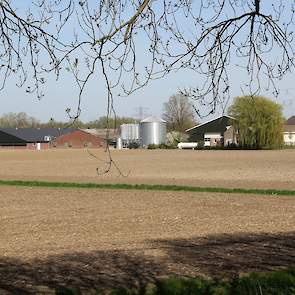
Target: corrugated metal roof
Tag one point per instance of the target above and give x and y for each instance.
(153, 119)
(37, 134)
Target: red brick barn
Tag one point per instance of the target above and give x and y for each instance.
(77, 139)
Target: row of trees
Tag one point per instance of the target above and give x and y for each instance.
(23, 120)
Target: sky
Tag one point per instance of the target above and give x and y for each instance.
(62, 94)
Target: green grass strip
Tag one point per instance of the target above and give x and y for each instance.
(150, 187)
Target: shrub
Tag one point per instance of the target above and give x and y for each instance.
(152, 146)
(163, 146)
(274, 283)
(133, 145)
(181, 286)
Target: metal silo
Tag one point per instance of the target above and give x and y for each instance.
(152, 131)
(129, 133)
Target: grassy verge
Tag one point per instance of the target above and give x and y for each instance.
(273, 283)
(151, 187)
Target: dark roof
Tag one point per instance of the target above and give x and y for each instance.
(8, 139)
(216, 125)
(36, 134)
(291, 121)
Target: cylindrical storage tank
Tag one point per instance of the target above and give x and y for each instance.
(119, 143)
(129, 132)
(152, 131)
(187, 145)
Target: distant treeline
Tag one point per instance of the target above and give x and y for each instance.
(22, 120)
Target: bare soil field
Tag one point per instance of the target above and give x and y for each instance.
(244, 169)
(97, 239)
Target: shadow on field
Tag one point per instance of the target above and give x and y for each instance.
(216, 256)
(228, 256)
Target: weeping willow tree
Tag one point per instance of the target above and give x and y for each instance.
(259, 121)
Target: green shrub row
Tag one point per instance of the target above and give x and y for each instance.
(272, 283)
(161, 146)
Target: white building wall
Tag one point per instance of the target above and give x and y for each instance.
(209, 138)
(289, 138)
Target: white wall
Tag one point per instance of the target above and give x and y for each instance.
(211, 137)
(289, 138)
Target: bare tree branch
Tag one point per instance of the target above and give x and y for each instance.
(130, 43)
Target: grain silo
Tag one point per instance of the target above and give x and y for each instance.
(152, 131)
(129, 133)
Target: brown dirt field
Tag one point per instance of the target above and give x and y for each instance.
(95, 239)
(245, 169)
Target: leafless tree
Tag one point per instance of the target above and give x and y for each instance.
(179, 113)
(131, 42)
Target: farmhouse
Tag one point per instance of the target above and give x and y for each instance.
(217, 132)
(289, 131)
(220, 131)
(44, 138)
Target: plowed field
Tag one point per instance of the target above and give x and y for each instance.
(254, 169)
(94, 239)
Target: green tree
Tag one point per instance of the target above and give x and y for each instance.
(259, 121)
(179, 113)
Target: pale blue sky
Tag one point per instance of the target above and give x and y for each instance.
(62, 94)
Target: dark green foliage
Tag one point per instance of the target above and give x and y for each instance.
(66, 291)
(133, 145)
(275, 283)
(152, 146)
(162, 146)
(179, 286)
(123, 291)
(197, 286)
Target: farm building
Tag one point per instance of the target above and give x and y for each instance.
(109, 135)
(289, 131)
(78, 139)
(217, 132)
(44, 138)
